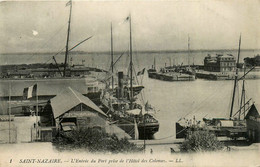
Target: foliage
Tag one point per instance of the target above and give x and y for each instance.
(201, 141)
(93, 140)
(255, 61)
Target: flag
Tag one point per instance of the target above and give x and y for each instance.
(30, 92)
(126, 19)
(136, 131)
(141, 72)
(68, 3)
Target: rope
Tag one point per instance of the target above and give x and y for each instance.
(201, 104)
(54, 55)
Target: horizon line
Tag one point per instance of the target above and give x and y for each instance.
(140, 51)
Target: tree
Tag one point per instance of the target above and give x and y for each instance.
(255, 61)
(201, 140)
(93, 140)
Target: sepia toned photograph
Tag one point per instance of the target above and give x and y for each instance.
(129, 83)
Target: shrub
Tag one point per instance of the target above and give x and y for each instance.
(93, 140)
(201, 141)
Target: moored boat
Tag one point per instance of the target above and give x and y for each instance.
(233, 127)
(122, 108)
(166, 74)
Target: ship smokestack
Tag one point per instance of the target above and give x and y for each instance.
(120, 84)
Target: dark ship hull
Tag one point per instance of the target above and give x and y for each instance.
(145, 131)
(152, 73)
(170, 76)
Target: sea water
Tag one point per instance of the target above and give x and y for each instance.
(172, 100)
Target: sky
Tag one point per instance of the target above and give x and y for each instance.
(41, 26)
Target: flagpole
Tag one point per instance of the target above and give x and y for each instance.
(144, 134)
(188, 50)
(9, 112)
(36, 126)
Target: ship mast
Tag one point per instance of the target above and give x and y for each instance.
(154, 63)
(112, 58)
(243, 96)
(188, 50)
(235, 81)
(68, 37)
(131, 64)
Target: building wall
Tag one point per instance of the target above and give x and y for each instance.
(8, 134)
(253, 129)
(219, 63)
(226, 63)
(86, 117)
(91, 121)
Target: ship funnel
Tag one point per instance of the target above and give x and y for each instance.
(120, 84)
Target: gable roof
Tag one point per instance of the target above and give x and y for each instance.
(252, 111)
(68, 99)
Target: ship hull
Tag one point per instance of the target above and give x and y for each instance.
(169, 77)
(146, 131)
(152, 73)
(181, 131)
(231, 131)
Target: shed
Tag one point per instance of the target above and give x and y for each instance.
(253, 123)
(69, 99)
(253, 112)
(71, 109)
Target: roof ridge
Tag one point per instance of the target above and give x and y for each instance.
(75, 94)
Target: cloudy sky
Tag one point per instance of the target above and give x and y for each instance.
(27, 26)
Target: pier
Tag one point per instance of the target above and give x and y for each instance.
(201, 74)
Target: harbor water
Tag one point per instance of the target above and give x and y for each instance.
(173, 100)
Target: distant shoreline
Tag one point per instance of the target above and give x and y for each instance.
(140, 51)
